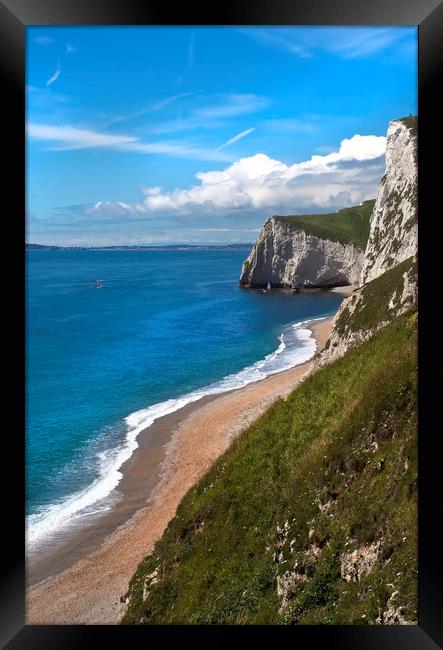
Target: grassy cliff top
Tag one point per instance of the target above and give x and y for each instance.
(348, 226)
(326, 474)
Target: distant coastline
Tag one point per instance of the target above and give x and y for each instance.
(161, 247)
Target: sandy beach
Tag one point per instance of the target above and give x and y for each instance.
(170, 459)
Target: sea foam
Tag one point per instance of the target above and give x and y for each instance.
(296, 346)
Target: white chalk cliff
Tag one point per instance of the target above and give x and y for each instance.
(291, 257)
(393, 232)
(389, 277)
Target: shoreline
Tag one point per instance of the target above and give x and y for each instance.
(94, 569)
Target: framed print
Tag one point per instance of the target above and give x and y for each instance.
(219, 308)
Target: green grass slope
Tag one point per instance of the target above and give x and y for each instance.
(310, 516)
(350, 225)
(379, 301)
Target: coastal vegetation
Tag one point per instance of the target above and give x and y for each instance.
(378, 300)
(347, 226)
(309, 517)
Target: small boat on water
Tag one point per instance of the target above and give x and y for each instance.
(98, 284)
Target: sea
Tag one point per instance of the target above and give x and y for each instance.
(162, 329)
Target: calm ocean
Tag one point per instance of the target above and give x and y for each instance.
(166, 328)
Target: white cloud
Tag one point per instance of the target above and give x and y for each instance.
(70, 49)
(55, 76)
(239, 136)
(260, 183)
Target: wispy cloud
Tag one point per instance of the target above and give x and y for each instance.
(129, 116)
(239, 136)
(345, 42)
(157, 106)
(215, 113)
(55, 76)
(231, 105)
(177, 149)
(278, 38)
(70, 49)
(363, 41)
(45, 97)
(74, 138)
(66, 138)
(184, 123)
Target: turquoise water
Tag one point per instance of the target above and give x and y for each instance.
(165, 328)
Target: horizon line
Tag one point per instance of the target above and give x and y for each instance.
(159, 245)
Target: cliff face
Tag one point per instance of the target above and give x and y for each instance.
(393, 232)
(292, 257)
(389, 277)
(370, 308)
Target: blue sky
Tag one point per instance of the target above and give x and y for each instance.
(198, 134)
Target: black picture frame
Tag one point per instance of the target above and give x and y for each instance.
(15, 16)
